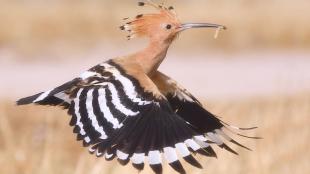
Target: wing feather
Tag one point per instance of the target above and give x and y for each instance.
(198, 118)
(121, 114)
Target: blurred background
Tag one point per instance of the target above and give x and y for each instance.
(256, 73)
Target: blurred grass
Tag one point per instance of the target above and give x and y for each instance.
(38, 140)
(35, 26)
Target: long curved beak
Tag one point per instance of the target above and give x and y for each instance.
(201, 25)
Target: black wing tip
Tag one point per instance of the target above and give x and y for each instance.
(157, 168)
(76, 130)
(207, 151)
(235, 142)
(21, 102)
(85, 144)
(123, 162)
(224, 146)
(191, 160)
(177, 166)
(139, 167)
(27, 100)
(51, 101)
(80, 137)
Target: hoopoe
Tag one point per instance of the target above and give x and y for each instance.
(126, 108)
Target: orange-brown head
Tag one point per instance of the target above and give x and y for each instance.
(161, 26)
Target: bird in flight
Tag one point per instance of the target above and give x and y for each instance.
(125, 108)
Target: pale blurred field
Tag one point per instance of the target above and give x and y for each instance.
(38, 140)
(255, 74)
(32, 28)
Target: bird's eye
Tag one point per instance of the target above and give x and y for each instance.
(168, 27)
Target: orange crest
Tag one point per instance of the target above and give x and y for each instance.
(153, 25)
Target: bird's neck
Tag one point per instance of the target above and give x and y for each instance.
(152, 56)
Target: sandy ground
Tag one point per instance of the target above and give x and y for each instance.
(215, 76)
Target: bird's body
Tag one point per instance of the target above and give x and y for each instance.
(126, 108)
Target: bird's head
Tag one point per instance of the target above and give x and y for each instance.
(161, 26)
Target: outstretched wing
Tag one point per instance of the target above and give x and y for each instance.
(119, 112)
(192, 111)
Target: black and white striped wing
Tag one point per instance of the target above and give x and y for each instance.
(193, 112)
(141, 127)
(201, 120)
(112, 113)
